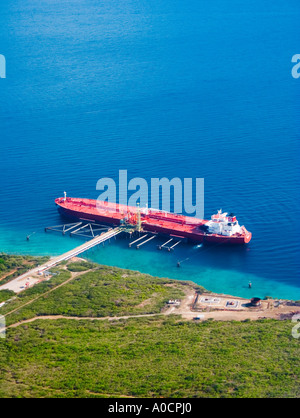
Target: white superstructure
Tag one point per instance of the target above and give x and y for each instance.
(223, 224)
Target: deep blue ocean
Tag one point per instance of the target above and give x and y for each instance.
(162, 89)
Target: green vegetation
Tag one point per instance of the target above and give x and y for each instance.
(157, 356)
(38, 291)
(6, 294)
(106, 291)
(12, 266)
(150, 357)
(82, 266)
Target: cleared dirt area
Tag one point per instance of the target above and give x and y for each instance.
(226, 308)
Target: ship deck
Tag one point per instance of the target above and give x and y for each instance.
(119, 211)
(152, 219)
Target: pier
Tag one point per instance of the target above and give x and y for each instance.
(88, 230)
(19, 283)
(167, 242)
(137, 240)
(174, 245)
(97, 234)
(170, 248)
(84, 247)
(144, 242)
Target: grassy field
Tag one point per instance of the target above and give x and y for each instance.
(105, 291)
(150, 358)
(159, 356)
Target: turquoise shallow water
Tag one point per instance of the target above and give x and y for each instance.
(198, 263)
(194, 267)
(170, 89)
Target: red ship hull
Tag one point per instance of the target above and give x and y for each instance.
(155, 221)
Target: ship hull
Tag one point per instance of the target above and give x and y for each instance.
(199, 237)
(93, 218)
(173, 225)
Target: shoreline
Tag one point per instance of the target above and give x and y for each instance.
(222, 281)
(196, 305)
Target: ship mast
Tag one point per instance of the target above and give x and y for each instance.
(139, 221)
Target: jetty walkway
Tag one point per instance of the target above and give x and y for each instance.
(19, 283)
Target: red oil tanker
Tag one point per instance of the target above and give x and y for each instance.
(222, 228)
